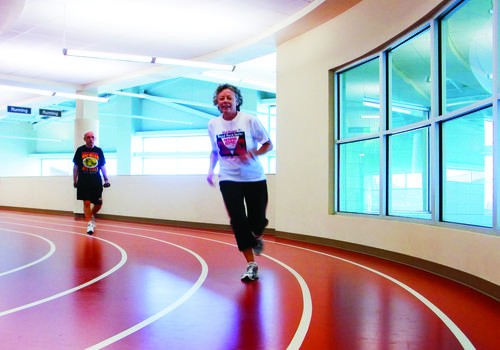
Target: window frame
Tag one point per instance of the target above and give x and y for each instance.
(437, 116)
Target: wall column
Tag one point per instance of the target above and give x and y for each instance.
(86, 119)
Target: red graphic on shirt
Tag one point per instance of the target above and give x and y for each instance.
(90, 161)
(232, 143)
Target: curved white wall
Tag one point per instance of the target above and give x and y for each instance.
(302, 182)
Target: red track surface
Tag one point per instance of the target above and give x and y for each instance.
(139, 286)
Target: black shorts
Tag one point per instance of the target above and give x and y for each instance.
(89, 193)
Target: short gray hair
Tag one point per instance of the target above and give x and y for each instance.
(234, 89)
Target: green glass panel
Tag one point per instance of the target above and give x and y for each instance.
(409, 84)
(467, 174)
(408, 183)
(359, 180)
(467, 59)
(359, 87)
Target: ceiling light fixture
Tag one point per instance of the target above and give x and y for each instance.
(44, 92)
(148, 59)
(232, 77)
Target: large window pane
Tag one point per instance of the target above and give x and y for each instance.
(467, 62)
(409, 174)
(409, 83)
(173, 165)
(461, 84)
(57, 167)
(190, 143)
(183, 152)
(468, 169)
(359, 180)
(359, 104)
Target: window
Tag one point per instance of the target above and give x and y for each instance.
(170, 152)
(359, 186)
(57, 167)
(419, 143)
(408, 184)
(409, 81)
(63, 165)
(467, 182)
(360, 100)
(187, 151)
(467, 60)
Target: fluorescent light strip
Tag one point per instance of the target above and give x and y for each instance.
(371, 104)
(238, 79)
(394, 109)
(55, 93)
(147, 59)
(107, 56)
(222, 76)
(82, 97)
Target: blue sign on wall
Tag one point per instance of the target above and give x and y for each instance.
(49, 112)
(21, 110)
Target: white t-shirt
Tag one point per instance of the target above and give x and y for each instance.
(235, 137)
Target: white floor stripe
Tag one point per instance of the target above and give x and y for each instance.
(305, 319)
(199, 282)
(68, 291)
(52, 249)
(307, 310)
(461, 337)
(138, 326)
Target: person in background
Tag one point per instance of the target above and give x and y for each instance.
(89, 163)
(238, 139)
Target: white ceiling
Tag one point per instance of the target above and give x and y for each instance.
(34, 32)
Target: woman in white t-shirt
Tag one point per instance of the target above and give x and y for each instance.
(237, 140)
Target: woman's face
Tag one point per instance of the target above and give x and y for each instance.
(227, 101)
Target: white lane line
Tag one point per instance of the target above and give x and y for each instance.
(135, 328)
(52, 249)
(306, 316)
(457, 332)
(81, 286)
(189, 293)
(305, 319)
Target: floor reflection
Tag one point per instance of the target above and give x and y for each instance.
(381, 316)
(88, 259)
(248, 322)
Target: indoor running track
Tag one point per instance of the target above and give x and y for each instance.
(146, 286)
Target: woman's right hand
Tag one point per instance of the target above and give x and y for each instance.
(210, 179)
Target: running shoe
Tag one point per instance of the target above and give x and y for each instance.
(259, 247)
(252, 272)
(90, 227)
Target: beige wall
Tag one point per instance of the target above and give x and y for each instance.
(302, 181)
(168, 197)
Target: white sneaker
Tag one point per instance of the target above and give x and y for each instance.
(252, 272)
(91, 227)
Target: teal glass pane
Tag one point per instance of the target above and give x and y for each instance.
(409, 83)
(408, 183)
(359, 110)
(467, 158)
(467, 60)
(359, 177)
